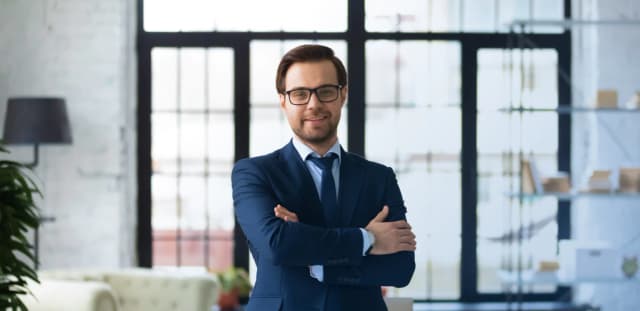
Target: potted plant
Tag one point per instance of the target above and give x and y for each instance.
(18, 214)
(234, 287)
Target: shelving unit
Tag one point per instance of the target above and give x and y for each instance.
(521, 276)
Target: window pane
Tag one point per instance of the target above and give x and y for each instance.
(192, 142)
(192, 250)
(414, 125)
(164, 252)
(164, 203)
(192, 203)
(220, 143)
(412, 15)
(505, 79)
(164, 142)
(245, 15)
(192, 72)
(164, 76)
(221, 250)
(479, 15)
(221, 79)
(220, 204)
(269, 127)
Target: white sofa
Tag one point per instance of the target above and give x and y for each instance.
(135, 289)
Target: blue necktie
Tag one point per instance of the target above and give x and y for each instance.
(328, 195)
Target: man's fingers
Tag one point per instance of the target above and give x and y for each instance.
(408, 240)
(400, 224)
(382, 214)
(285, 214)
(407, 247)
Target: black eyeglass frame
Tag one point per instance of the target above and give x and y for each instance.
(314, 91)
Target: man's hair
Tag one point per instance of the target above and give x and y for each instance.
(308, 53)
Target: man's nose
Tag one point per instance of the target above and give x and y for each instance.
(313, 100)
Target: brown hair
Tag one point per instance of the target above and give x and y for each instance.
(308, 53)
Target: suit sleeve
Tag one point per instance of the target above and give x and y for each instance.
(379, 270)
(286, 243)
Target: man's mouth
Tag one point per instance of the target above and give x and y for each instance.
(316, 118)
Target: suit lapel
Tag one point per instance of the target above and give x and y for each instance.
(310, 204)
(351, 179)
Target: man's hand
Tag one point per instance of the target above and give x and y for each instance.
(390, 237)
(285, 214)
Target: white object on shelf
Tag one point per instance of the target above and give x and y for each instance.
(582, 260)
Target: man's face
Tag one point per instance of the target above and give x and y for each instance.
(315, 123)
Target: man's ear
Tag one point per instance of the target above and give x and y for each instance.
(283, 100)
(343, 93)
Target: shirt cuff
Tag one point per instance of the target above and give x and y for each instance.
(317, 272)
(366, 241)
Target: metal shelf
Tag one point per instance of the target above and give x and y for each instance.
(571, 110)
(530, 277)
(576, 195)
(567, 23)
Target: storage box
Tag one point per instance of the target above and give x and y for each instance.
(600, 181)
(606, 99)
(557, 184)
(629, 179)
(589, 261)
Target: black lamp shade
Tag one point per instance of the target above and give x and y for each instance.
(37, 120)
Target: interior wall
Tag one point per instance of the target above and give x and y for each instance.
(82, 50)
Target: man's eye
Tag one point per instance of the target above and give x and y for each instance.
(299, 94)
(328, 92)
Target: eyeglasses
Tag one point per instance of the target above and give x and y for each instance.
(324, 93)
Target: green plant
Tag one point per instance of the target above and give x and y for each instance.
(235, 279)
(18, 214)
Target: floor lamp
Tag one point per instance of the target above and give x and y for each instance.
(35, 121)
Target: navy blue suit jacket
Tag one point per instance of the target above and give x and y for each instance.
(283, 251)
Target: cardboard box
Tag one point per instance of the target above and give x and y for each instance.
(606, 99)
(559, 183)
(589, 261)
(600, 181)
(629, 179)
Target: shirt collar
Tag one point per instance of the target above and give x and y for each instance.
(304, 151)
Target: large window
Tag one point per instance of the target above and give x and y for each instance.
(429, 81)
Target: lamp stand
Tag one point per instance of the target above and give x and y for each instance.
(36, 157)
(36, 239)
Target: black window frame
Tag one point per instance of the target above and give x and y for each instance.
(356, 37)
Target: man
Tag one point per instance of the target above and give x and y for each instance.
(326, 227)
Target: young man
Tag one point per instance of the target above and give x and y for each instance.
(326, 227)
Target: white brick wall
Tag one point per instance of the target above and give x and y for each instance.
(84, 51)
(607, 57)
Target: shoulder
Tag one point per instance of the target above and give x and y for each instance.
(369, 165)
(258, 161)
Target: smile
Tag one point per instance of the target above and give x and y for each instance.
(316, 119)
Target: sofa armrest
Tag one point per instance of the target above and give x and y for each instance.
(64, 295)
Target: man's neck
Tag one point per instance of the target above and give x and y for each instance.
(321, 148)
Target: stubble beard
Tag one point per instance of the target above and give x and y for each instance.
(317, 136)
